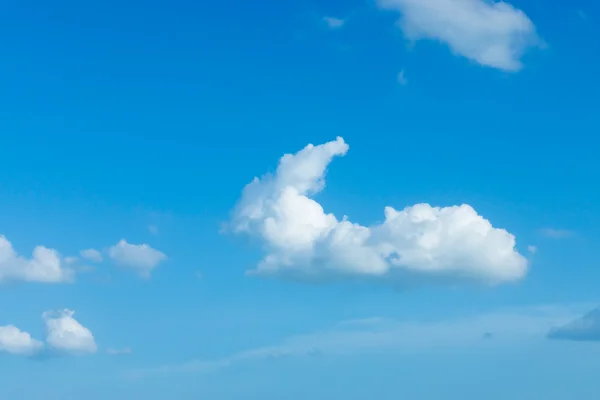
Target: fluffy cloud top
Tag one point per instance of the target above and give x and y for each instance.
(15, 341)
(586, 328)
(491, 33)
(45, 265)
(141, 257)
(66, 335)
(91, 255)
(417, 243)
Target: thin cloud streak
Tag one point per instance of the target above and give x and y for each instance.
(375, 334)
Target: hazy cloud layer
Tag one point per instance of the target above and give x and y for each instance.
(512, 327)
(585, 328)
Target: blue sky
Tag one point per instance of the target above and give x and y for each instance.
(130, 132)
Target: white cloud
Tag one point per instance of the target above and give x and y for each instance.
(491, 33)
(532, 249)
(557, 233)
(510, 328)
(334, 23)
(91, 255)
(141, 257)
(66, 335)
(15, 341)
(119, 352)
(417, 243)
(45, 265)
(402, 78)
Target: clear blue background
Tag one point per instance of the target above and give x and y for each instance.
(119, 114)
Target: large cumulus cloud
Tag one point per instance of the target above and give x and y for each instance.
(417, 243)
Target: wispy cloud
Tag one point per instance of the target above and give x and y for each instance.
(557, 233)
(375, 334)
(334, 23)
(153, 229)
(91, 255)
(118, 352)
(402, 78)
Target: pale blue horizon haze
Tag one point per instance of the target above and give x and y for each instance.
(130, 131)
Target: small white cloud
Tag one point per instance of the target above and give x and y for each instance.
(140, 257)
(67, 335)
(119, 352)
(416, 244)
(402, 78)
(532, 249)
(91, 255)
(334, 23)
(491, 33)
(153, 229)
(557, 233)
(45, 265)
(15, 341)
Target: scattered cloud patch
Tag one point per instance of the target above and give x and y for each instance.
(557, 233)
(119, 352)
(370, 335)
(491, 33)
(44, 266)
(153, 229)
(91, 255)
(85, 268)
(583, 329)
(402, 78)
(417, 244)
(140, 257)
(70, 260)
(66, 335)
(532, 249)
(15, 341)
(334, 23)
